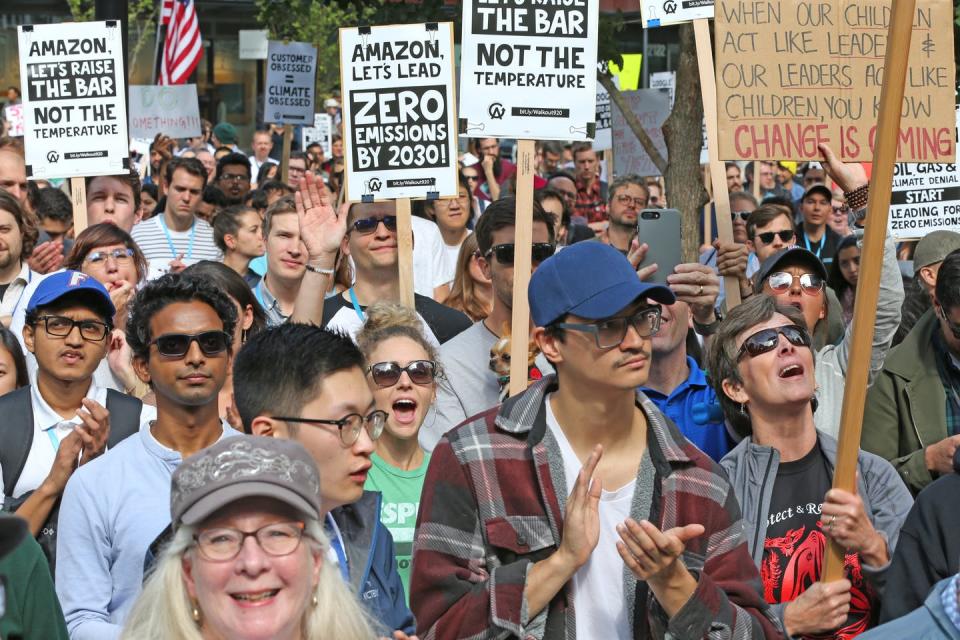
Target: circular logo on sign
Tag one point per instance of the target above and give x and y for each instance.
(53, 156)
(496, 111)
(670, 7)
(276, 115)
(373, 185)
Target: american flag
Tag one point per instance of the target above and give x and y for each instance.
(182, 47)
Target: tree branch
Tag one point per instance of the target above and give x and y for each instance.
(633, 122)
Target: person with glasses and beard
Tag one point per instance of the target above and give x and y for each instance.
(495, 171)
(181, 333)
(761, 364)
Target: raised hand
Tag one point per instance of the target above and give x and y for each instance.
(322, 228)
(847, 175)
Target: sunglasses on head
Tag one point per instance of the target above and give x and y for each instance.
(767, 340)
(810, 283)
(387, 374)
(786, 235)
(365, 226)
(176, 345)
(539, 252)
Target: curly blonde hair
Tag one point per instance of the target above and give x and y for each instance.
(387, 320)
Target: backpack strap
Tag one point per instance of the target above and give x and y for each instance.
(124, 416)
(17, 435)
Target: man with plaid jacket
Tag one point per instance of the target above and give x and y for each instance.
(577, 509)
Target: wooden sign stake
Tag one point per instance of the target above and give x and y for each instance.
(871, 259)
(405, 251)
(285, 158)
(523, 241)
(718, 173)
(78, 196)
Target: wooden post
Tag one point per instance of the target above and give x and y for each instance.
(78, 196)
(405, 251)
(718, 173)
(523, 241)
(608, 158)
(756, 180)
(871, 259)
(285, 158)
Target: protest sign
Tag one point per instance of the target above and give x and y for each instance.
(398, 111)
(529, 70)
(658, 13)
(665, 80)
(603, 136)
(13, 114)
(171, 109)
(291, 82)
(652, 107)
(253, 44)
(75, 120)
(321, 132)
(794, 73)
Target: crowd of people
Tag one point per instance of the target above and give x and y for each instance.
(220, 422)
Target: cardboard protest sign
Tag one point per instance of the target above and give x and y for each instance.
(794, 73)
(652, 107)
(171, 109)
(399, 111)
(528, 70)
(13, 114)
(658, 13)
(75, 120)
(291, 83)
(321, 131)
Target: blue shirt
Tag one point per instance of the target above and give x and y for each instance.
(694, 408)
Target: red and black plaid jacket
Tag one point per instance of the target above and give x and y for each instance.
(490, 509)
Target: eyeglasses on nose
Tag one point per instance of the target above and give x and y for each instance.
(781, 281)
(786, 235)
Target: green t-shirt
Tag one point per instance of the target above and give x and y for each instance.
(33, 610)
(398, 512)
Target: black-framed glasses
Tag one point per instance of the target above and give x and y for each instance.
(627, 200)
(767, 340)
(176, 345)
(611, 332)
(120, 256)
(743, 215)
(810, 283)
(234, 177)
(224, 543)
(366, 226)
(953, 326)
(539, 251)
(62, 326)
(387, 374)
(787, 235)
(349, 425)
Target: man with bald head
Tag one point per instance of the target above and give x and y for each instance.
(13, 175)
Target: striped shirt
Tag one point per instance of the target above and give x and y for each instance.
(151, 236)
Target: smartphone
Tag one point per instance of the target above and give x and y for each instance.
(660, 229)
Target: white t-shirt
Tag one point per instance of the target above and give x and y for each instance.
(598, 585)
(427, 257)
(450, 255)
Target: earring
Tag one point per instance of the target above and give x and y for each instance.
(743, 408)
(314, 600)
(196, 614)
(243, 336)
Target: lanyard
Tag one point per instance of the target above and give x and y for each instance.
(22, 291)
(258, 292)
(173, 250)
(356, 305)
(336, 542)
(823, 240)
(53, 438)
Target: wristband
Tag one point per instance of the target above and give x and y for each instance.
(857, 199)
(319, 270)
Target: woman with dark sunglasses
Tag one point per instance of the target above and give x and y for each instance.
(761, 364)
(403, 370)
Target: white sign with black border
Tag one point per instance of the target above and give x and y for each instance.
(321, 132)
(399, 117)
(529, 71)
(659, 13)
(75, 117)
(291, 83)
(603, 134)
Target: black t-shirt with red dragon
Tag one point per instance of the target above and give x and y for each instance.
(795, 543)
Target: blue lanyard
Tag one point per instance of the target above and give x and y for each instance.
(173, 250)
(258, 292)
(337, 545)
(53, 438)
(823, 240)
(356, 305)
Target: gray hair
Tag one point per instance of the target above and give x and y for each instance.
(623, 181)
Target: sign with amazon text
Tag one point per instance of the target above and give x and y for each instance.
(794, 73)
(399, 111)
(74, 116)
(528, 69)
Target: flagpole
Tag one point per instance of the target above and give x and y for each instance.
(156, 49)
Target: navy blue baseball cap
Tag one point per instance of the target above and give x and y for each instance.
(588, 279)
(72, 283)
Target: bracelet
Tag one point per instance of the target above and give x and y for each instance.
(319, 270)
(857, 199)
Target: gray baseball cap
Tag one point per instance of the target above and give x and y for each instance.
(244, 467)
(934, 247)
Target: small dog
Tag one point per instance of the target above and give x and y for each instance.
(500, 362)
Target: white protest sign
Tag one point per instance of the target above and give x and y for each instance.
(321, 132)
(658, 13)
(291, 83)
(529, 71)
(253, 44)
(603, 136)
(13, 114)
(652, 107)
(75, 120)
(170, 109)
(399, 117)
(665, 80)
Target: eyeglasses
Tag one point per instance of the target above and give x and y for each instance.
(505, 253)
(387, 374)
(610, 333)
(223, 543)
(626, 200)
(841, 209)
(767, 340)
(176, 345)
(233, 177)
(953, 326)
(61, 327)
(743, 215)
(568, 195)
(786, 235)
(366, 226)
(810, 283)
(121, 256)
(349, 425)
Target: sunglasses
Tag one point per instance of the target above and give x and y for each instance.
(387, 374)
(366, 226)
(786, 235)
(810, 283)
(767, 340)
(539, 252)
(743, 215)
(176, 345)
